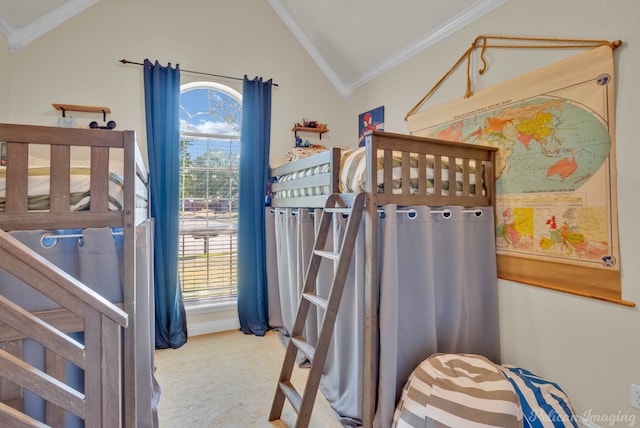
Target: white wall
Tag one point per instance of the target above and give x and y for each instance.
(4, 79)
(590, 347)
(77, 62)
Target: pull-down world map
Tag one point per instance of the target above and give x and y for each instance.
(553, 128)
(546, 145)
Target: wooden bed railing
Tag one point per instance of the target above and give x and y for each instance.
(100, 405)
(473, 161)
(102, 146)
(20, 138)
(475, 165)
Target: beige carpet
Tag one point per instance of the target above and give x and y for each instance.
(228, 380)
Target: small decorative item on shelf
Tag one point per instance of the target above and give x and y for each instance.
(313, 124)
(309, 126)
(305, 143)
(67, 122)
(110, 125)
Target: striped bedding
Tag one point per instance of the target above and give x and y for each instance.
(80, 194)
(306, 191)
(467, 390)
(353, 175)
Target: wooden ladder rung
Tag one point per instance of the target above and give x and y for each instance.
(328, 254)
(292, 394)
(303, 405)
(342, 210)
(304, 347)
(315, 299)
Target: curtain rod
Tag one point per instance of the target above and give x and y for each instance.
(446, 213)
(125, 61)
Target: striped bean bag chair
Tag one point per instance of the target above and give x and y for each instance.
(458, 390)
(467, 390)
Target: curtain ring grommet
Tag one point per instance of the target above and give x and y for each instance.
(48, 241)
(446, 213)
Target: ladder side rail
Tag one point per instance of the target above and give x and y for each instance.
(300, 320)
(330, 315)
(303, 404)
(312, 271)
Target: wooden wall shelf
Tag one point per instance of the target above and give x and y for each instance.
(87, 109)
(320, 131)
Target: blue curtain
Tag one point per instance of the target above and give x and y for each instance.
(253, 309)
(162, 95)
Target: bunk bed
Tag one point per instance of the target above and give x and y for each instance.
(423, 172)
(61, 185)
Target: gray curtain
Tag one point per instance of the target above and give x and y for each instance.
(96, 260)
(148, 388)
(294, 236)
(438, 293)
(273, 293)
(341, 383)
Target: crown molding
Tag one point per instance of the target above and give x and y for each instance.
(19, 38)
(309, 47)
(6, 25)
(470, 14)
(461, 20)
(7, 28)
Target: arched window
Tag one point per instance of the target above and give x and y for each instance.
(210, 118)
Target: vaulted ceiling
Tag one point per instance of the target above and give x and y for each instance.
(351, 41)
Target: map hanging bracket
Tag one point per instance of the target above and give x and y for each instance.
(482, 42)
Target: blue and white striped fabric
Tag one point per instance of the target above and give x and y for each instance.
(544, 403)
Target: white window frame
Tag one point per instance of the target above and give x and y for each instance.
(199, 308)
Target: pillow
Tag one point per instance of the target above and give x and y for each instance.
(544, 403)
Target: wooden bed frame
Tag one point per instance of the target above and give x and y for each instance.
(437, 150)
(108, 357)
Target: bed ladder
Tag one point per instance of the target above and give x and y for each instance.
(303, 405)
